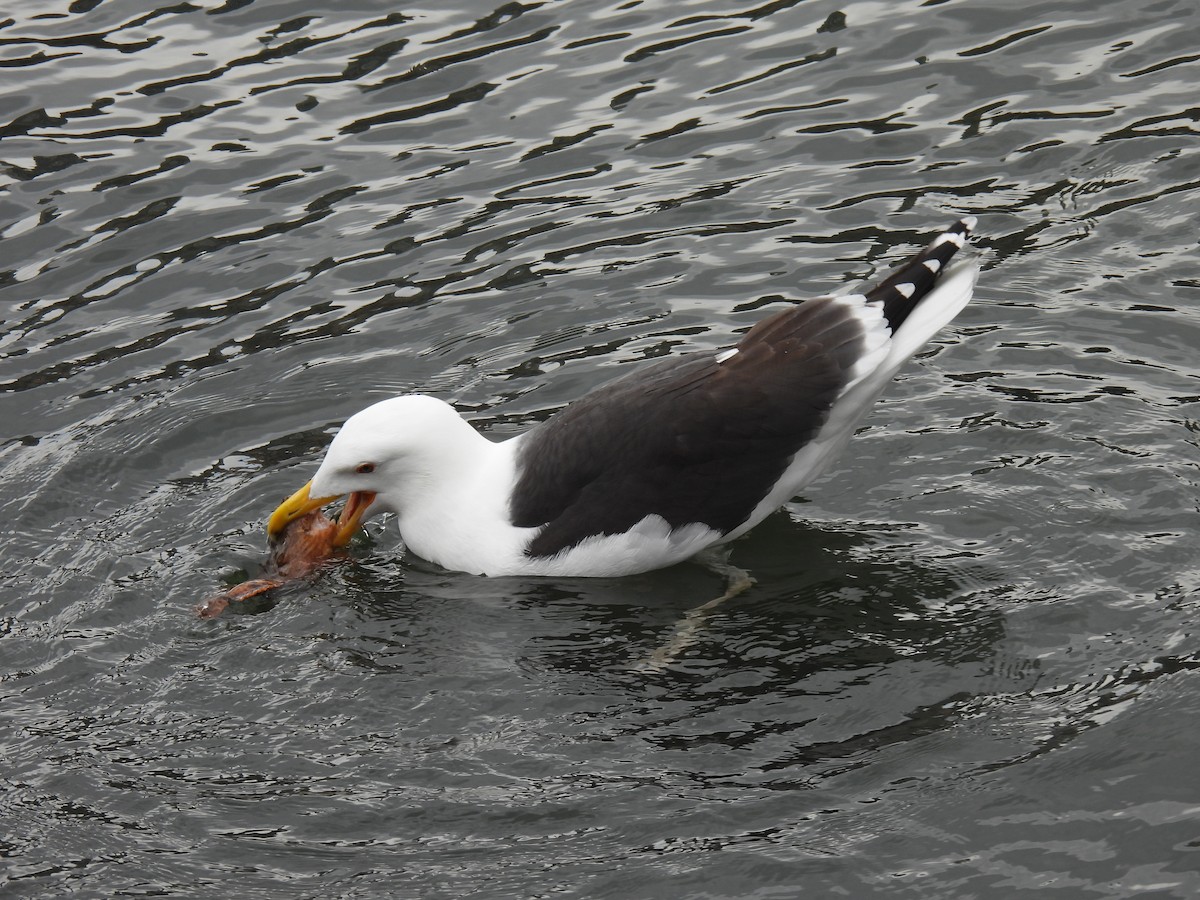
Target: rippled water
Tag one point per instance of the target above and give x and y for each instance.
(969, 666)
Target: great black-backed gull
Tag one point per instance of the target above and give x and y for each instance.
(678, 457)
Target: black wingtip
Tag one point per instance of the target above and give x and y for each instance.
(913, 279)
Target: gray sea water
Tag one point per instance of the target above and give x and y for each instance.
(969, 666)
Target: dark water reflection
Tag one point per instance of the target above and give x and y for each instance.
(965, 668)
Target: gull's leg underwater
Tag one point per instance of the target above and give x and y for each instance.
(686, 631)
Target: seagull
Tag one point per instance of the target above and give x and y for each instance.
(679, 457)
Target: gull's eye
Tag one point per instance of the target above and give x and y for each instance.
(365, 468)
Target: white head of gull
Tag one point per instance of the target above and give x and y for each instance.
(684, 454)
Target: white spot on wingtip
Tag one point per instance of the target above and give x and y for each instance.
(932, 265)
(949, 236)
(969, 222)
(726, 354)
(905, 289)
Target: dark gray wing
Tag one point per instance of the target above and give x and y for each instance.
(689, 438)
(902, 289)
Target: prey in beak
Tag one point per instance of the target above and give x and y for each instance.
(302, 503)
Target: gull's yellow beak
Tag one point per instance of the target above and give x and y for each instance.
(351, 517)
(301, 504)
(291, 509)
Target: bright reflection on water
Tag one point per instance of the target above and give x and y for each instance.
(965, 669)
